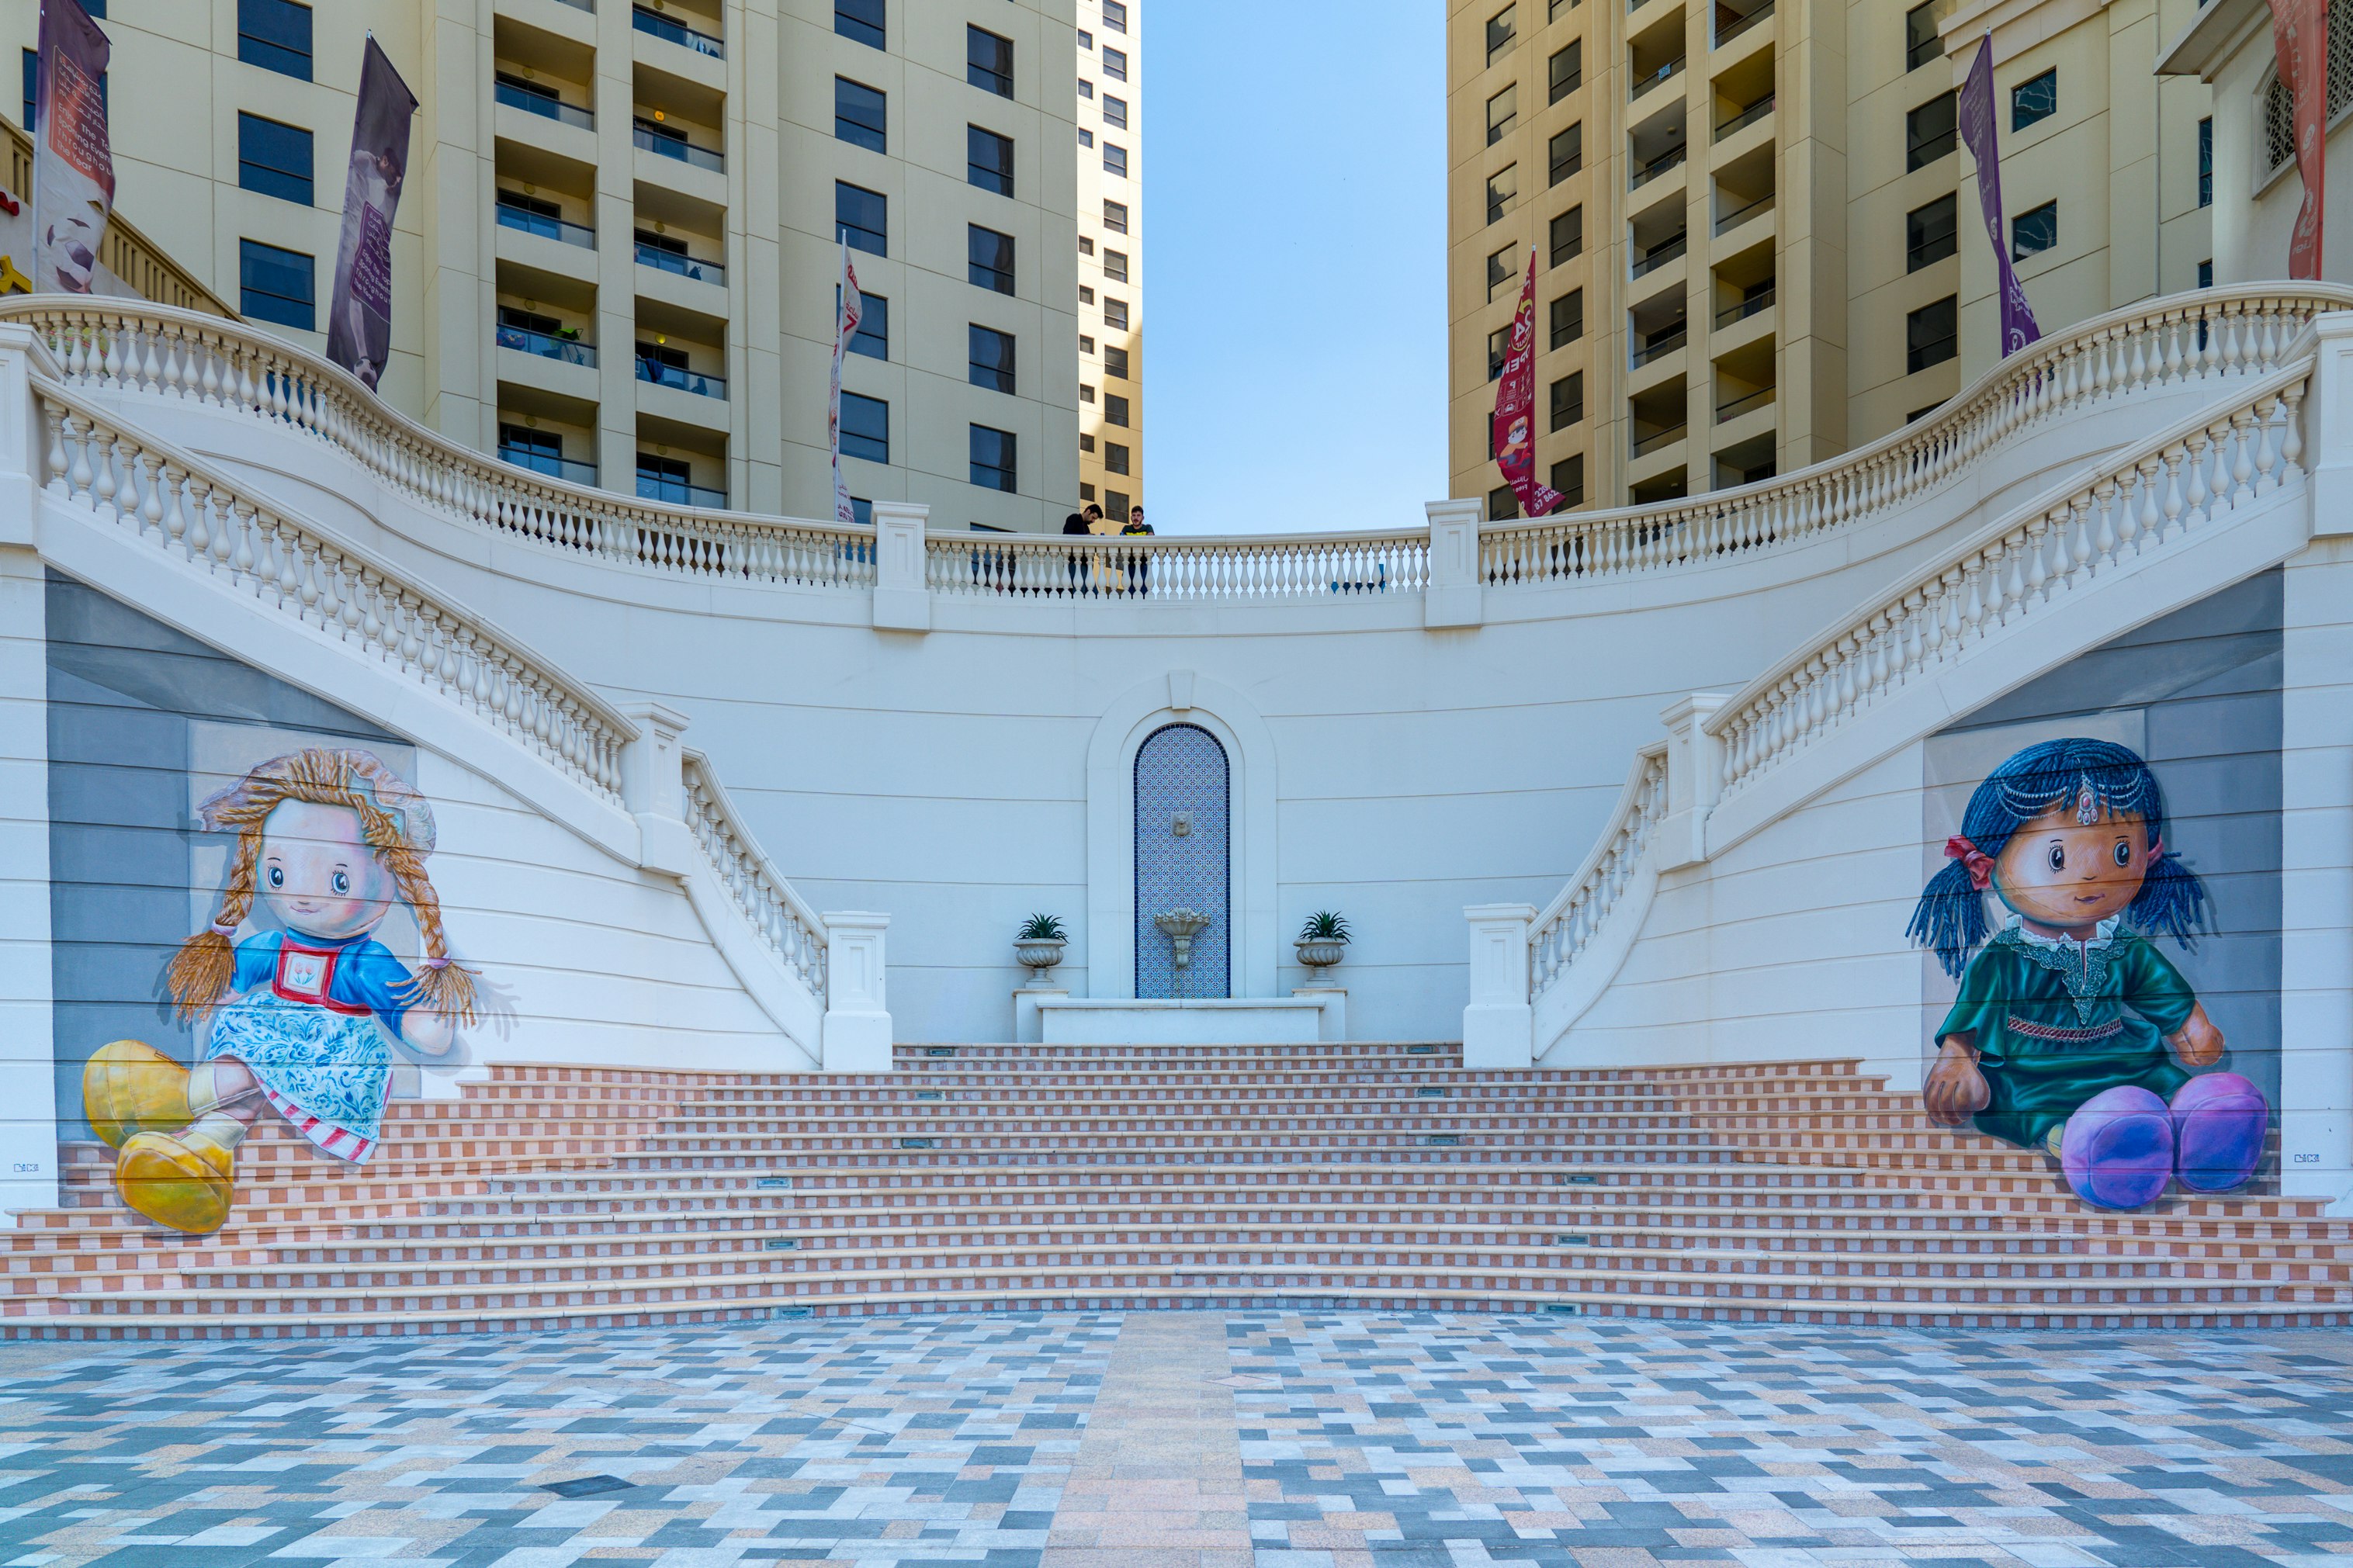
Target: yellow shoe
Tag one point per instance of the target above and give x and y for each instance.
(129, 1087)
(187, 1182)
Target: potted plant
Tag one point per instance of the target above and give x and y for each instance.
(1322, 939)
(1038, 944)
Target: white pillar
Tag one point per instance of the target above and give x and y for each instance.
(902, 600)
(857, 1015)
(1499, 1026)
(652, 765)
(23, 438)
(2329, 426)
(1694, 778)
(1454, 598)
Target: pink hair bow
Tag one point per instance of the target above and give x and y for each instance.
(1978, 863)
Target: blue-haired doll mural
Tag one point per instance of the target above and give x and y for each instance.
(2073, 1033)
(302, 1008)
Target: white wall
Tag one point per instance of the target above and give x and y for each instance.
(28, 1134)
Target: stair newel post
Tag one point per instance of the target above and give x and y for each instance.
(856, 1037)
(1694, 777)
(902, 600)
(1499, 1025)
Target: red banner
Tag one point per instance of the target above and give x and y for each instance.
(2300, 40)
(1513, 432)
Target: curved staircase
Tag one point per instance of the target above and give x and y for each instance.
(1026, 1178)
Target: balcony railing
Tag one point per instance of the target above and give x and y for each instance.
(684, 380)
(547, 345)
(662, 26)
(678, 493)
(548, 227)
(536, 100)
(1659, 348)
(1734, 314)
(1760, 398)
(655, 138)
(1646, 445)
(654, 256)
(1745, 118)
(1645, 173)
(1655, 78)
(554, 468)
(1659, 255)
(1762, 14)
(587, 5)
(1741, 215)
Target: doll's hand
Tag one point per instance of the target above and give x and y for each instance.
(1956, 1089)
(428, 1034)
(2199, 1043)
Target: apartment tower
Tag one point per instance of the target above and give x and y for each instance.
(617, 253)
(1111, 260)
(1757, 240)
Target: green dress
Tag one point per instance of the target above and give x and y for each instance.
(2057, 1021)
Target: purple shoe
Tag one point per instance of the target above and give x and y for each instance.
(2218, 1122)
(2117, 1150)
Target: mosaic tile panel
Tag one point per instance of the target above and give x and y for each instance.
(1182, 768)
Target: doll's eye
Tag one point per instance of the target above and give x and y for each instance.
(2057, 857)
(2124, 853)
(340, 881)
(276, 876)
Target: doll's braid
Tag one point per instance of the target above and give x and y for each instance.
(201, 970)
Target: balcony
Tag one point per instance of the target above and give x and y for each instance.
(670, 142)
(1672, 68)
(663, 260)
(1743, 213)
(547, 345)
(1733, 315)
(554, 468)
(1761, 398)
(679, 492)
(514, 213)
(1645, 173)
(1658, 440)
(1657, 348)
(533, 98)
(662, 373)
(1730, 22)
(1745, 118)
(1658, 255)
(661, 27)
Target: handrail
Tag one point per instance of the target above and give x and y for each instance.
(1181, 570)
(1564, 927)
(189, 511)
(790, 928)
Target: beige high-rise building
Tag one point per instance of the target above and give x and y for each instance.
(616, 258)
(1758, 244)
(1111, 258)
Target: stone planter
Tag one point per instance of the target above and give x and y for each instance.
(1320, 954)
(1040, 956)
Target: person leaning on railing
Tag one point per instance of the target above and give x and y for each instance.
(1139, 563)
(1074, 523)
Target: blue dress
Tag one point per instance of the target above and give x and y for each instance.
(304, 1024)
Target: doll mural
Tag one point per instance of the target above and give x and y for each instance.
(2073, 1033)
(303, 1009)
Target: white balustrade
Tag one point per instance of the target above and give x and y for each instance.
(1146, 568)
(792, 930)
(1564, 927)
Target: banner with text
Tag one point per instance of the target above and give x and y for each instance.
(2018, 328)
(359, 316)
(73, 164)
(1513, 432)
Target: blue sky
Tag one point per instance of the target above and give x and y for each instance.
(1294, 240)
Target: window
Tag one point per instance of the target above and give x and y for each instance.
(1086, 295)
(1931, 233)
(276, 35)
(1086, 246)
(860, 20)
(993, 465)
(1114, 159)
(1086, 394)
(1115, 363)
(1086, 39)
(1114, 456)
(1114, 15)
(273, 159)
(1929, 132)
(276, 285)
(2206, 161)
(1086, 443)
(1115, 502)
(1502, 504)
(1921, 42)
(1565, 152)
(1503, 113)
(1499, 348)
(988, 160)
(31, 123)
(1568, 396)
(1568, 235)
(989, 259)
(1086, 88)
(1086, 344)
(865, 427)
(1565, 70)
(1502, 28)
(2034, 100)
(1499, 268)
(1568, 478)
(541, 451)
(858, 115)
(1114, 265)
(2206, 275)
(872, 337)
(1568, 319)
(1086, 491)
(1115, 64)
(990, 358)
(1086, 137)
(2034, 231)
(1116, 216)
(1114, 313)
(1115, 111)
(665, 478)
(1931, 334)
(862, 217)
(861, 511)
(1114, 409)
(988, 61)
(1553, 10)
(1503, 190)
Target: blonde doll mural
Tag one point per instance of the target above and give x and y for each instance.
(304, 1008)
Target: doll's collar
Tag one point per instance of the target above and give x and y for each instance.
(2101, 934)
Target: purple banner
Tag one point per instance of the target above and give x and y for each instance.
(1976, 107)
(359, 314)
(73, 166)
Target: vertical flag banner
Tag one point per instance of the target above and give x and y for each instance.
(850, 310)
(2018, 328)
(1513, 435)
(73, 166)
(2300, 40)
(359, 315)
